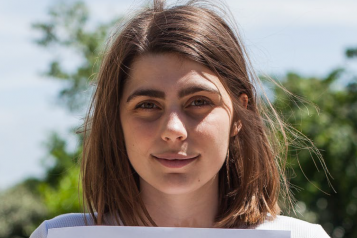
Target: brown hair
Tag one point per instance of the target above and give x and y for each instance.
(249, 182)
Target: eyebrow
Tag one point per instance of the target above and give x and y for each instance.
(182, 93)
(146, 92)
(195, 89)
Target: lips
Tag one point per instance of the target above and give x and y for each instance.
(174, 160)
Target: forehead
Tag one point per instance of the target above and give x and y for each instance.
(169, 72)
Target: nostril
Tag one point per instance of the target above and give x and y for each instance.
(177, 138)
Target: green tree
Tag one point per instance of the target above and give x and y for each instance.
(20, 210)
(67, 31)
(333, 129)
(59, 190)
(351, 52)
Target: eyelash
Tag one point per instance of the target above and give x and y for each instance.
(154, 106)
(205, 101)
(142, 106)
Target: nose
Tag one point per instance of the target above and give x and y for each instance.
(174, 129)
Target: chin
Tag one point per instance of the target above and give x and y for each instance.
(179, 184)
(175, 184)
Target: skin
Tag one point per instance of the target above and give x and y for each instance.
(164, 116)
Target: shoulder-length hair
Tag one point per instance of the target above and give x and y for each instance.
(249, 182)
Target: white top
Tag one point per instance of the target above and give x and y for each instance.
(298, 228)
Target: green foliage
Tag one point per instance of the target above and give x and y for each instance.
(66, 196)
(333, 129)
(351, 52)
(59, 159)
(21, 211)
(59, 189)
(69, 30)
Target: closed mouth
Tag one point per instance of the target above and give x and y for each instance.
(172, 162)
(174, 156)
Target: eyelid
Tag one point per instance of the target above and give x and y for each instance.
(208, 101)
(138, 105)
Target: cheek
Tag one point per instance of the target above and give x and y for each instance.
(215, 130)
(138, 135)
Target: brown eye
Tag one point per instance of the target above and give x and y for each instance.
(147, 105)
(199, 102)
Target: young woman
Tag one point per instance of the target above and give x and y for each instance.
(175, 137)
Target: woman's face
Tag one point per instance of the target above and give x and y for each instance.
(176, 118)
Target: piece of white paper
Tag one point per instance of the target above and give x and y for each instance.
(160, 232)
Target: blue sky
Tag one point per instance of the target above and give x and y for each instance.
(305, 36)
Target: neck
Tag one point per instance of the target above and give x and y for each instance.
(193, 209)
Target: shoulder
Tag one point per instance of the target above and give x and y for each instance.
(65, 220)
(298, 228)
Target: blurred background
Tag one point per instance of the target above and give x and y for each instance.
(50, 50)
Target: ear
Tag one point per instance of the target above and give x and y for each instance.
(236, 128)
(243, 98)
